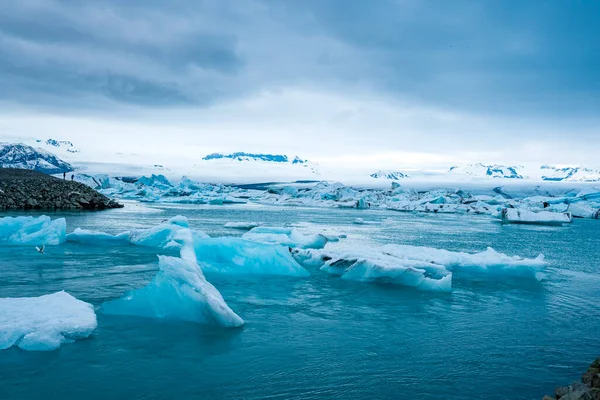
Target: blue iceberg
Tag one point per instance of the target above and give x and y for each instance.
(32, 231)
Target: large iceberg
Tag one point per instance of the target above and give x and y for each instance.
(32, 231)
(178, 291)
(239, 256)
(286, 237)
(45, 322)
(424, 268)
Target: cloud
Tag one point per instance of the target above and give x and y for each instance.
(498, 79)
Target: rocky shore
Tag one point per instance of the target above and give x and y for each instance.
(22, 189)
(587, 389)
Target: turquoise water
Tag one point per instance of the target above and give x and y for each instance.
(319, 337)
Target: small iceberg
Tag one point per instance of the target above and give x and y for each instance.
(179, 291)
(242, 225)
(286, 237)
(237, 256)
(45, 322)
(32, 231)
(163, 235)
(522, 216)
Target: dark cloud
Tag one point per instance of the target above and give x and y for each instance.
(511, 57)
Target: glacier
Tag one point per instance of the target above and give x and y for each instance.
(32, 231)
(179, 291)
(44, 323)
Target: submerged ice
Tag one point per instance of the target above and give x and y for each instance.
(44, 322)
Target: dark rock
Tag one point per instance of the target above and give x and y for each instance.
(578, 395)
(561, 391)
(25, 190)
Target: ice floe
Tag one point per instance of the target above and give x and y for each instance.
(44, 322)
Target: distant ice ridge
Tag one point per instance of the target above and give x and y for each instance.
(241, 156)
(391, 175)
(45, 322)
(158, 188)
(423, 268)
(32, 231)
(178, 291)
(493, 171)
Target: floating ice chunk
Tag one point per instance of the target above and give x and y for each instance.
(239, 256)
(582, 210)
(402, 264)
(359, 221)
(522, 216)
(286, 237)
(84, 236)
(32, 231)
(395, 273)
(178, 291)
(45, 322)
(489, 262)
(242, 225)
(163, 235)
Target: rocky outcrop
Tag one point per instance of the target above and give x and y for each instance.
(587, 389)
(26, 190)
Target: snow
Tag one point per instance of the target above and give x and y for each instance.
(229, 255)
(242, 225)
(32, 231)
(179, 291)
(45, 322)
(523, 216)
(287, 237)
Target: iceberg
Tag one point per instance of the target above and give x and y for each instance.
(286, 237)
(45, 322)
(179, 291)
(231, 255)
(424, 268)
(522, 216)
(32, 231)
(163, 235)
(242, 225)
(84, 236)
(489, 263)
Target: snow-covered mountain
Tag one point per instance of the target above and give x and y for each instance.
(19, 155)
(390, 175)
(569, 174)
(241, 156)
(487, 171)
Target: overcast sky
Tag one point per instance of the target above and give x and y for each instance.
(394, 82)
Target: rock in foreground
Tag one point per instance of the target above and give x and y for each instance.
(30, 190)
(587, 389)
